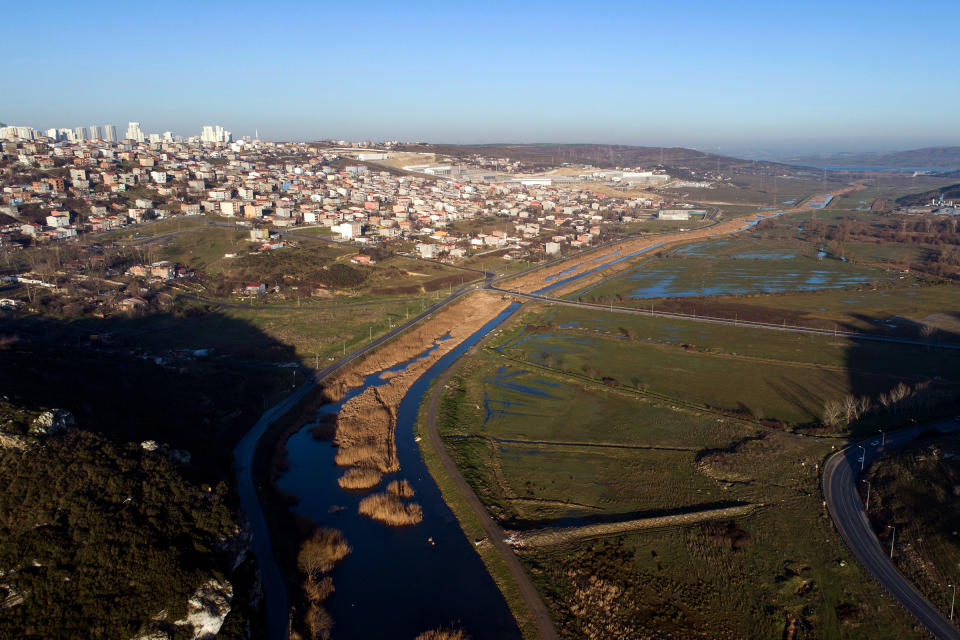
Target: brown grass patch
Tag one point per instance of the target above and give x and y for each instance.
(444, 634)
(366, 423)
(389, 509)
(359, 479)
(401, 489)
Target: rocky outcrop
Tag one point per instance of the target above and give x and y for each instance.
(21, 432)
(177, 456)
(207, 608)
(52, 421)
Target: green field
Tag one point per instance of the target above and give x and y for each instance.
(545, 434)
(791, 270)
(764, 375)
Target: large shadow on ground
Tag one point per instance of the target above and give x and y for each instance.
(192, 383)
(905, 384)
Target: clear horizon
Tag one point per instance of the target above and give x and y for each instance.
(743, 79)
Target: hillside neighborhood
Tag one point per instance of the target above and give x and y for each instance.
(56, 190)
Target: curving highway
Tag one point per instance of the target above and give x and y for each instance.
(840, 493)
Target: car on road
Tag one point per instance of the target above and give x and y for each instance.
(874, 443)
(860, 459)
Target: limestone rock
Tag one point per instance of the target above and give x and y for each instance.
(52, 421)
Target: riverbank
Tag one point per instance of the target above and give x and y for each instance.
(366, 424)
(504, 567)
(371, 391)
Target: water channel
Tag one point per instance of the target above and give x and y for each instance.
(399, 581)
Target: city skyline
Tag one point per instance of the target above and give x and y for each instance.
(807, 78)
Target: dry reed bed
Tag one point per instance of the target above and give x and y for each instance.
(318, 555)
(400, 489)
(443, 634)
(391, 510)
(365, 426)
(359, 479)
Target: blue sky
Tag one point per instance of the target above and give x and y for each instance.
(733, 76)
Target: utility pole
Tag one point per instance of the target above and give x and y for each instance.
(863, 458)
(883, 438)
(953, 600)
(866, 507)
(893, 538)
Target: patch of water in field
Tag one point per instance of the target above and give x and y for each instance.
(678, 280)
(395, 583)
(564, 281)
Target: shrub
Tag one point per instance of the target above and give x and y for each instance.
(320, 552)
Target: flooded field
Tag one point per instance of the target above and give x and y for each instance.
(735, 268)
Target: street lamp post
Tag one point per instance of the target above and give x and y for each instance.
(883, 438)
(866, 507)
(863, 458)
(953, 599)
(893, 538)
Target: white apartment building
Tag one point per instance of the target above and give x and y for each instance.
(133, 132)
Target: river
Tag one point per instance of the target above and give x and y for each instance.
(396, 583)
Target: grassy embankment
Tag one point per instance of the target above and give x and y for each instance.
(467, 519)
(364, 301)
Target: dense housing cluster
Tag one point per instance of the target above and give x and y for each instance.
(57, 187)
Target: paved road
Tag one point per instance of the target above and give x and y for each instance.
(839, 489)
(494, 533)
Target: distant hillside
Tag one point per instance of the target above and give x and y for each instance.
(605, 156)
(929, 158)
(951, 192)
